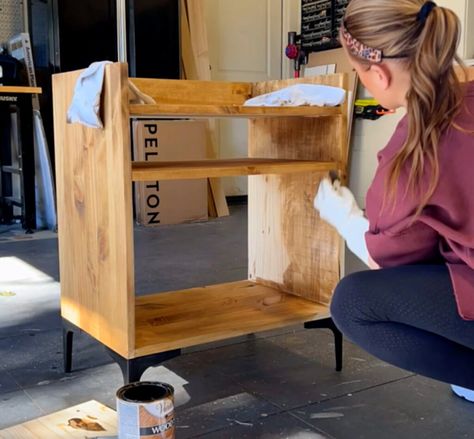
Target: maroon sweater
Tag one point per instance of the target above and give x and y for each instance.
(444, 232)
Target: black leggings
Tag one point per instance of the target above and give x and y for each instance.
(407, 316)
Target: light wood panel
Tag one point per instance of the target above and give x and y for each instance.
(94, 194)
(336, 80)
(289, 246)
(198, 33)
(194, 92)
(196, 66)
(57, 425)
(200, 315)
(343, 65)
(465, 75)
(20, 90)
(188, 61)
(197, 111)
(149, 171)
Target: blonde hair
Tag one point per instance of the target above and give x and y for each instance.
(428, 49)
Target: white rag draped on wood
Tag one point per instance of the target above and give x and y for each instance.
(299, 95)
(85, 105)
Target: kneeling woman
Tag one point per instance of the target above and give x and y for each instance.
(417, 310)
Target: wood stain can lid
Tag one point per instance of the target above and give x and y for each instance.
(146, 411)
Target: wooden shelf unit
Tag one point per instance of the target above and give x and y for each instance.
(294, 257)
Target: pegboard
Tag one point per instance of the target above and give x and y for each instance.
(11, 18)
(320, 22)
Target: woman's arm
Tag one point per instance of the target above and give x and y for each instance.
(405, 243)
(338, 207)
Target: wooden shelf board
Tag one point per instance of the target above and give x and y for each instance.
(185, 318)
(148, 171)
(194, 110)
(19, 90)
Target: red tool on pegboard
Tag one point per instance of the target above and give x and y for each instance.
(295, 52)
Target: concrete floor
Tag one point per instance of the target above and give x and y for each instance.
(280, 384)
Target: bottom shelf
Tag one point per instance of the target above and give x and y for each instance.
(186, 318)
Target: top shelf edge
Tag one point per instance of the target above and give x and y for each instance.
(218, 111)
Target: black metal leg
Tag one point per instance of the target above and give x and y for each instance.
(68, 336)
(338, 339)
(27, 162)
(133, 369)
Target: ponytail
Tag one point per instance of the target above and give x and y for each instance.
(428, 37)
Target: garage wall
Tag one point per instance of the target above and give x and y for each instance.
(465, 11)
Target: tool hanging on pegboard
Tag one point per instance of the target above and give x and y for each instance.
(370, 109)
(12, 20)
(294, 52)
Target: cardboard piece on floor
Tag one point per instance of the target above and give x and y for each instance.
(62, 424)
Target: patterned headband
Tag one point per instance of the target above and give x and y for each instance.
(361, 50)
(358, 49)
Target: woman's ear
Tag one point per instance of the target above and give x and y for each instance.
(381, 76)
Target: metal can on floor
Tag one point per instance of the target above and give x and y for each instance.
(145, 410)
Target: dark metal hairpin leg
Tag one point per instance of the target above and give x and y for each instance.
(68, 336)
(338, 341)
(133, 369)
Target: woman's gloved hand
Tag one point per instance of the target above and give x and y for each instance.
(337, 206)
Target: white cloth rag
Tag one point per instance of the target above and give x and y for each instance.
(85, 105)
(299, 95)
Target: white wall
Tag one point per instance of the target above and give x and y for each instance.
(245, 44)
(464, 9)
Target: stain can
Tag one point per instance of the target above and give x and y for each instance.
(145, 410)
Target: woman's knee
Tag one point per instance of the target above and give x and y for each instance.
(351, 299)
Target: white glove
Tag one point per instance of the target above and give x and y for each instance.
(338, 207)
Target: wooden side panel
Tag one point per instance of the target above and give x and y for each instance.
(342, 80)
(290, 248)
(94, 190)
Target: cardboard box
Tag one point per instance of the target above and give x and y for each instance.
(169, 201)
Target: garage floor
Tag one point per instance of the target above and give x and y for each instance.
(273, 385)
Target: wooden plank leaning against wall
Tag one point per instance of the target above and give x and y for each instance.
(196, 65)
